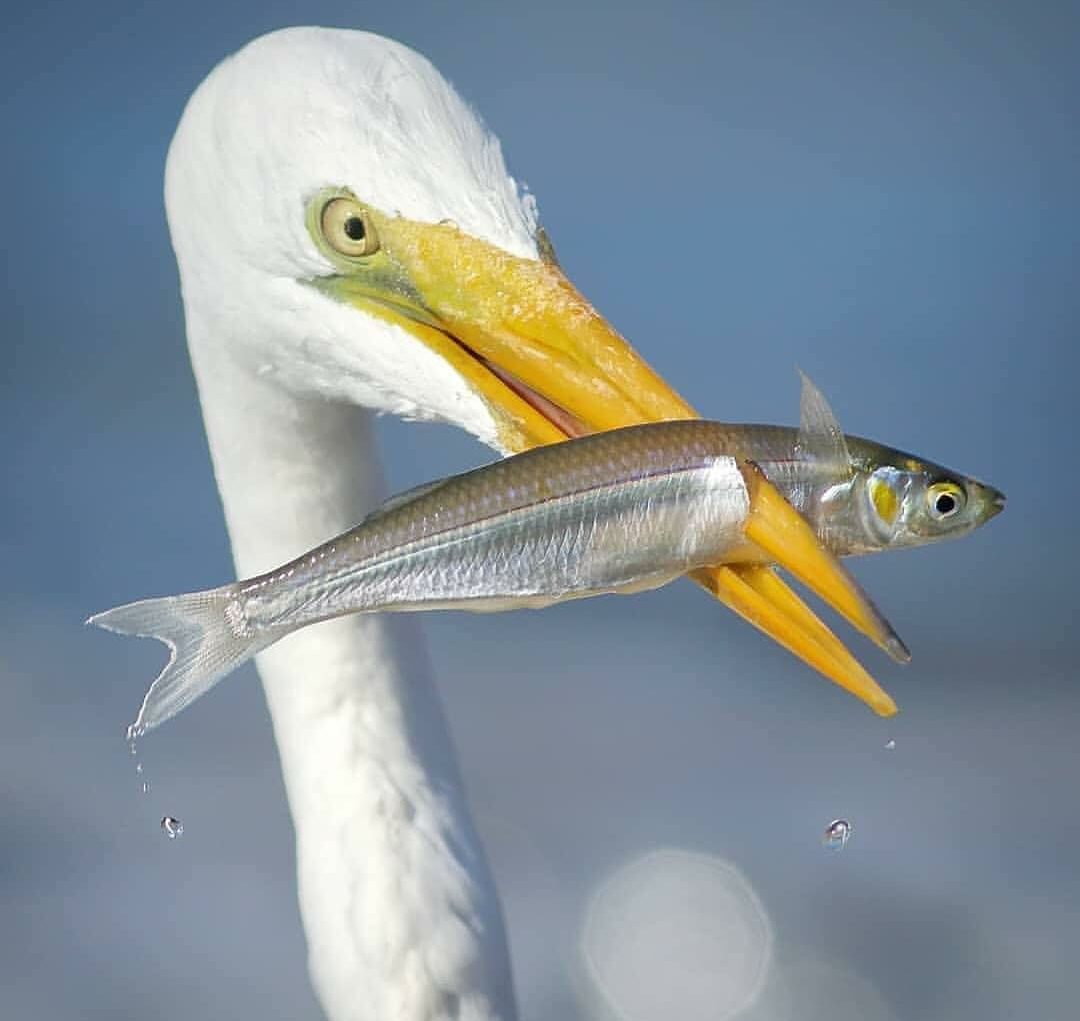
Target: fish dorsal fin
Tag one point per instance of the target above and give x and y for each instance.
(400, 499)
(820, 437)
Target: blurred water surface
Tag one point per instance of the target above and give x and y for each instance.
(882, 194)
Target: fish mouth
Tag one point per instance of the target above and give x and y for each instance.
(993, 505)
(986, 502)
(549, 367)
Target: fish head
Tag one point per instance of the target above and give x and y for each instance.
(911, 502)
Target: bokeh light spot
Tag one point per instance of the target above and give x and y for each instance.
(676, 934)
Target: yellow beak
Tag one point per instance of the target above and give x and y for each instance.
(549, 367)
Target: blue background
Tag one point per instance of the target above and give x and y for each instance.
(884, 194)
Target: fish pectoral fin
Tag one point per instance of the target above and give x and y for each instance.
(758, 595)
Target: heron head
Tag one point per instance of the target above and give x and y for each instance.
(332, 197)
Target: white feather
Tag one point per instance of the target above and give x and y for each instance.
(400, 911)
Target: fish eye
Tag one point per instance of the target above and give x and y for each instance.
(945, 499)
(348, 228)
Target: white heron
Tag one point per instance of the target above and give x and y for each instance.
(349, 241)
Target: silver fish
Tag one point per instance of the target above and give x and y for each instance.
(619, 511)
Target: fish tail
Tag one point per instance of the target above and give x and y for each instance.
(206, 642)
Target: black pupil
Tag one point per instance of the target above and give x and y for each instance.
(945, 504)
(354, 227)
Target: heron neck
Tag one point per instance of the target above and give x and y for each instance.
(392, 875)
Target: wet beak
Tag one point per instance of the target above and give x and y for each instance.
(756, 593)
(550, 367)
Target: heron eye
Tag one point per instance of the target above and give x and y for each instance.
(348, 228)
(945, 499)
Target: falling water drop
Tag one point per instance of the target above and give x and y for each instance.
(836, 834)
(132, 739)
(890, 745)
(172, 828)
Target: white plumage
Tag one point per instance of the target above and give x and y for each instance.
(400, 911)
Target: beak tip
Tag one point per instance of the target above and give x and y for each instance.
(884, 706)
(897, 650)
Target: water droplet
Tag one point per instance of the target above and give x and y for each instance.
(138, 767)
(146, 786)
(836, 834)
(890, 745)
(172, 828)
